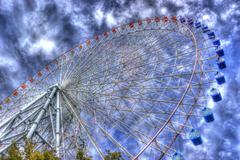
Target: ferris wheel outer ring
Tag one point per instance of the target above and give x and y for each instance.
(114, 30)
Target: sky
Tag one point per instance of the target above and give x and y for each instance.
(32, 33)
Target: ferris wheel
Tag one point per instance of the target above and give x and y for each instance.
(139, 89)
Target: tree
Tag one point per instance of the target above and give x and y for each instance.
(81, 155)
(31, 154)
(28, 149)
(36, 155)
(13, 153)
(49, 155)
(113, 156)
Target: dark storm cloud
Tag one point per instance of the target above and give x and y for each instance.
(5, 81)
(35, 20)
(29, 5)
(172, 7)
(51, 12)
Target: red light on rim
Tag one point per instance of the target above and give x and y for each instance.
(114, 30)
(174, 19)
(148, 20)
(15, 93)
(47, 68)
(88, 42)
(131, 25)
(165, 19)
(39, 74)
(139, 22)
(31, 80)
(157, 19)
(96, 38)
(105, 34)
(23, 86)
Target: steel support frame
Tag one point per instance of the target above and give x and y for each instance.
(40, 115)
(58, 125)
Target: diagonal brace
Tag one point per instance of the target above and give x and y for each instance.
(39, 117)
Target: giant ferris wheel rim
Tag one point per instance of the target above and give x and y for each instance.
(88, 45)
(131, 25)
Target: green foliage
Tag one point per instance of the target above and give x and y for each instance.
(49, 155)
(36, 155)
(29, 153)
(113, 156)
(13, 153)
(81, 155)
(28, 149)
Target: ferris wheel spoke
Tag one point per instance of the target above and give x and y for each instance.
(133, 59)
(134, 133)
(161, 76)
(175, 42)
(105, 48)
(158, 62)
(146, 102)
(84, 127)
(136, 97)
(144, 116)
(115, 142)
(80, 63)
(151, 124)
(61, 71)
(151, 78)
(88, 69)
(68, 65)
(167, 127)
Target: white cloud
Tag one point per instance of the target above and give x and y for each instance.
(9, 62)
(163, 11)
(141, 9)
(110, 20)
(229, 12)
(98, 16)
(208, 17)
(46, 45)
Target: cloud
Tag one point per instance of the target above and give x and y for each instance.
(47, 47)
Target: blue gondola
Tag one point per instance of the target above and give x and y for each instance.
(195, 137)
(182, 20)
(190, 22)
(220, 52)
(177, 156)
(216, 43)
(216, 95)
(207, 114)
(205, 29)
(211, 35)
(221, 63)
(197, 24)
(220, 78)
